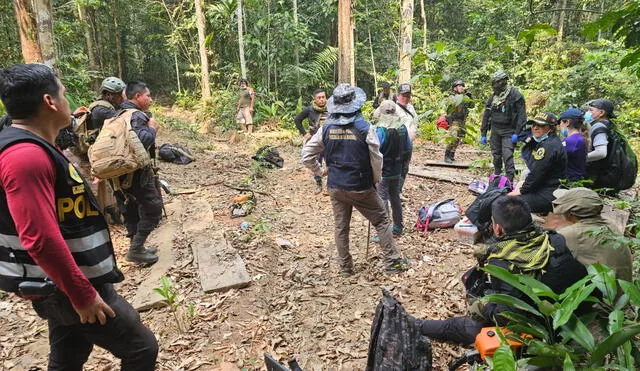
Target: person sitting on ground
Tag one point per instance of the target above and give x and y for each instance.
(521, 248)
(582, 207)
(383, 94)
(354, 161)
(599, 114)
(572, 127)
(546, 160)
(396, 148)
(316, 113)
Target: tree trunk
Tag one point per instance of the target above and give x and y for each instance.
(243, 66)
(406, 34)
(296, 51)
(563, 6)
(44, 22)
(205, 88)
(118, 37)
(28, 31)
(91, 48)
(346, 65)
(423, 15)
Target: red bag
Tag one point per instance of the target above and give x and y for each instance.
(442, 122)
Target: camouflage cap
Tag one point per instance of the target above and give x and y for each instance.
(346, 99)
(499, 75)
(581, 202)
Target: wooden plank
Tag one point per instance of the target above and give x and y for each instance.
(455, 164)
(441, 174)
(219, 265)
(162, 237)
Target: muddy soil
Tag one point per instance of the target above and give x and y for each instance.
(297, 304)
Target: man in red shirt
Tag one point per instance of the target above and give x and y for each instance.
(55, 247)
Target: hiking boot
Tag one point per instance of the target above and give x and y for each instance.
(346, 272)
(397, 266)
(138, 254)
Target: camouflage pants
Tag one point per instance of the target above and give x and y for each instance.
(457, 132)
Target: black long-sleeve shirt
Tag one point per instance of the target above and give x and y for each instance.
(140, 124)
(316, 118)
(508, 118)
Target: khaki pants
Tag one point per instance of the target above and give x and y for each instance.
(371, 206)
(244, 119)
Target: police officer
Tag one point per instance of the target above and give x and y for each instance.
(546, 160)
(352, 152)
(505, 116)
(56, 249)
(458, 104)
(111, 97)
(137, 192)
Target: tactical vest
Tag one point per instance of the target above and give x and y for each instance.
(347, 155)
(83, 227)
(393, 150)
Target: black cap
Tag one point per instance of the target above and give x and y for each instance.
(545, 118)
(605, 105)
(385, 85)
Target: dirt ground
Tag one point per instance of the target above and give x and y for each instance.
(297, 305)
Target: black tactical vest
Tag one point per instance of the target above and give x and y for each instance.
(82, 225)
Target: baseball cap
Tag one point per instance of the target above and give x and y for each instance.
(571, 113)
(581, 202)
(404, 88)
(605, 105)
(544, 118)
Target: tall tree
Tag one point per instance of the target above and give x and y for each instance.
(406, 34)
(346, 62)
(44, 24)
(28, 31)
(118, 39)
(91, 45)
(561, 17)
(204, 59)
(243, 64)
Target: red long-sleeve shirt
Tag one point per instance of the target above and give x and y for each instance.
(27, 176)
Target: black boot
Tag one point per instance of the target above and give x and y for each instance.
(448, 158)
(138, 254)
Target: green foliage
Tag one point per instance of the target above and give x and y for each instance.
(557, 336)
(262, 225)
(167, 291)
(219, 110)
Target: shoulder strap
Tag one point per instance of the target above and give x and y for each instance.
(606, 129)
(404, 108)
(431, 210)
(101, 103)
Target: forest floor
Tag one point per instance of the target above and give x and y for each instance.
(297, 304)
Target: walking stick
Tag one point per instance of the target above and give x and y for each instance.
(366, 256)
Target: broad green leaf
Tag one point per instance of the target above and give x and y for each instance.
(503, 359)
(605, 280)
(612, 342)
(513, 280)
(567, 365)
(576, 286)
(570, 304)
(536, 328)
(616, 321)
(512, 302)
(632, 291)
(578, 332)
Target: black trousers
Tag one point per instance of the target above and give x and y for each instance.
(71, 342)
(459, 330)
(502, 152)
(141, 204)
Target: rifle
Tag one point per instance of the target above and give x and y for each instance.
(156, 179)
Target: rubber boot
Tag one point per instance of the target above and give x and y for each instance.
(138, 254)
(447, 157)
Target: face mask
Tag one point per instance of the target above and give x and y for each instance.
(541, 138)
(587, 117)
(565, 132)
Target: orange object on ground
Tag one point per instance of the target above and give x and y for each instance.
(487, 341)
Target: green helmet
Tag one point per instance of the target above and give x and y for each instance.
(112, 85)
(500, 75)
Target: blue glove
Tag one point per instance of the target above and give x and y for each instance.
(514, 138)
(483, 140)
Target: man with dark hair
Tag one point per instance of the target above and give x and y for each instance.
(354, 162)
(137, 192)
(316, 114)
(521, 248)
(56, 249)
(505, 116)
(244, 110)
(457, 105)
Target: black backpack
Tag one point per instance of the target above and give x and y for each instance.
(175, 153)
(269, 157)
(620, 168)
